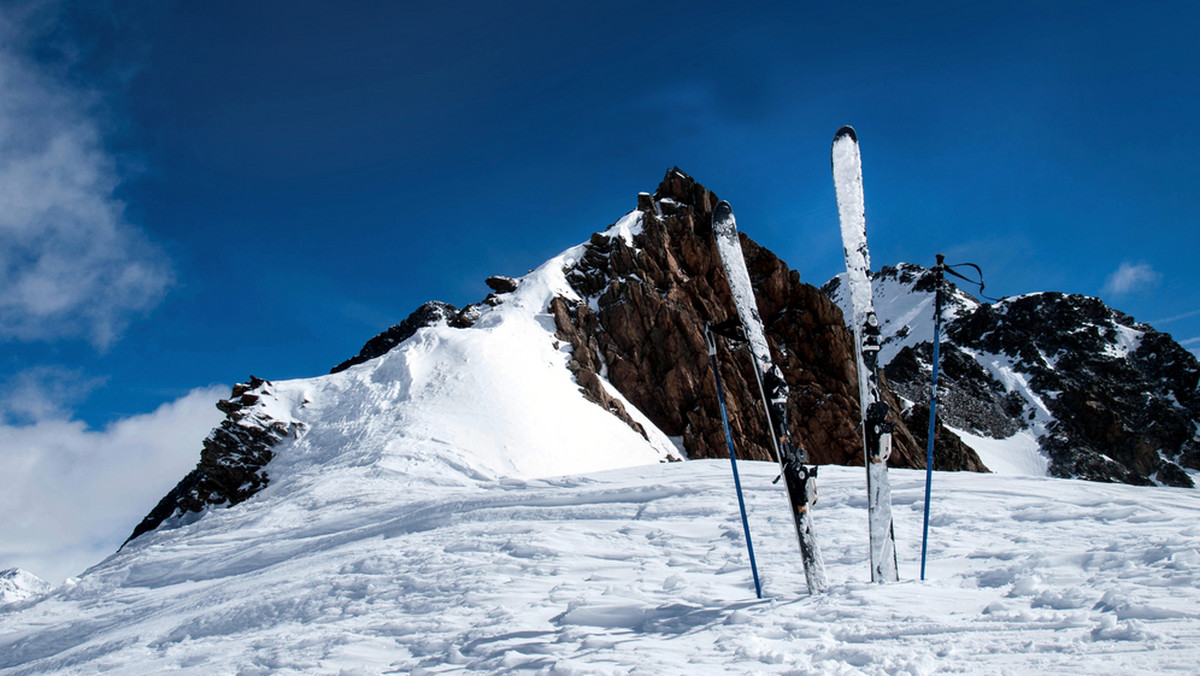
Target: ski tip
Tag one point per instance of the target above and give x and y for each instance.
(846, 130)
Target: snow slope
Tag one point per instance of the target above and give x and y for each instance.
(639, 570)
(457, 506)
(451, 406)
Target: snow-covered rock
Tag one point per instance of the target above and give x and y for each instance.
(611, 328)
(19, 585)
(1106, 397)
(444, 404)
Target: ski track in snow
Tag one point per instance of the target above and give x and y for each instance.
(641, 570)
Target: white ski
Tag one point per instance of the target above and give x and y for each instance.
(876, 431)
(799, 478)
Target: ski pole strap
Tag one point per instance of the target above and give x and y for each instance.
(976, 282)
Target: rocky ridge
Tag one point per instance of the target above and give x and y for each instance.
(1109, 398)
(233, 462)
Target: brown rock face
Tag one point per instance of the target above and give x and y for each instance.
(646, 336)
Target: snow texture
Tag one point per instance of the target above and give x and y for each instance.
(1018, 455)
(905, 315)
(456, 506)
(640, 570)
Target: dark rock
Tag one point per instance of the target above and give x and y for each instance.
(969, 397)
(1121, 397)
(464, 318)
(1170, 474)
(430, 314)
(1070, 461)
(233, 461)
(948, 449)
(501, 284)
(1133, 406)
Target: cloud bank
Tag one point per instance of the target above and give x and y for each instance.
(71, 266)
(72, 494)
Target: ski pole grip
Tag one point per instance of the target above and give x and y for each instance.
(709, 340)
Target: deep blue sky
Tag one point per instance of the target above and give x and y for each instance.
(310, 172)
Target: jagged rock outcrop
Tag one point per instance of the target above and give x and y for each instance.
(1117, 389)
(970, 398)
(640, 326)
(1109, 398)
(232, 464)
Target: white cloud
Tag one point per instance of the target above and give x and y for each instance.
(70, 263)
(71, 495)
(1131, 277)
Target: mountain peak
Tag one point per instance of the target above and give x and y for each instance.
(19, 585)
(594, 360)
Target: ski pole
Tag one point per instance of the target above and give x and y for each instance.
(937, 330)
(737, 482)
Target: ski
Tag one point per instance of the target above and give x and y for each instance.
(876, 431)
(799, 478)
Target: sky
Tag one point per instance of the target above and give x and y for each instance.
(191, 193)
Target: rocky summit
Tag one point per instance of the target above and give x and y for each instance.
(640, 328)
(632, 318)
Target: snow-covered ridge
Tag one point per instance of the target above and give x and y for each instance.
(451, 397)
(904, 302)
(496, 396)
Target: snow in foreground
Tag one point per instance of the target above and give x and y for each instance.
(640, 570)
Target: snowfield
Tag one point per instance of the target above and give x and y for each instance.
(641, 570)
(457, 506)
